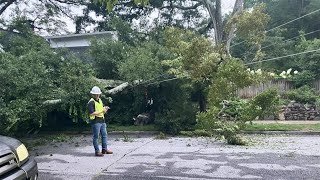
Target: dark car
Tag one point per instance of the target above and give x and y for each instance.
(15, 162)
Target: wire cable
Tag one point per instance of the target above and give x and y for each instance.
(144, 82)
(293, 20)
(264, 47)
(281, 57)
(282, 25)
(266, 60)
(243, 42)
(292, 38)
(171, 79)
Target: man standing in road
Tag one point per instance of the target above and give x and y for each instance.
(97, 113)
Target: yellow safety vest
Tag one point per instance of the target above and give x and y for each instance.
(98, 106)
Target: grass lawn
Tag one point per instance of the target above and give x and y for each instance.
(111, 127)
(282, 127)
(149, 127)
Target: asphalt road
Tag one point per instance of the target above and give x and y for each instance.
(268, 157)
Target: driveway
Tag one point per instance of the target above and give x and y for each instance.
(268, 157)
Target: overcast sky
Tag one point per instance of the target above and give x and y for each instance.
(227, 6)
(26, 6)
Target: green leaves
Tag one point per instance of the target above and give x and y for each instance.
(140, 65)
(308, 63)
(24, 86)
(107, 55)
(230, 76)
(266, 103)
(196, 56)
(111, 3)
(304, 94)
(200, 59)
(228, 120)
(30, 74)
(251, 25)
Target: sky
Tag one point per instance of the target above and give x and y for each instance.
(227, 6)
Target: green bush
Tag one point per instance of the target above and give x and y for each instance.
(268, 101)
(317, 103)
(240, 112)
(107, 55)
(179, 117)
(126, 105)
(233, 109)
(303, 78)
(237, 140)
(32, 73)
(303, 94)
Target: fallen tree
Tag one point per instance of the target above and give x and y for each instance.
(117, 85)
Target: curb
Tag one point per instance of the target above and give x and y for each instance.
(133, 132)
(283, 132)
(109, 132)
(149, 133)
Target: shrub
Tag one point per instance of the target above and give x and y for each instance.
(303, 78)
(303, 94)
(124, 107)
(268, 101)
(317, 103)
(240, 112)
(237, 140)
(32, 73)
(179, 117)
(107, 55)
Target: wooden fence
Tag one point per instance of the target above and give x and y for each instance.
(316, 85)
(281, 85)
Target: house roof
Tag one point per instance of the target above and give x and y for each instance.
(78, 40)
(81, 35)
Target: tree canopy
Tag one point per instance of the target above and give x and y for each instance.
(192, 58)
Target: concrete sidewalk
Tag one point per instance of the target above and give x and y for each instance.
(285, 122)
(288, 132)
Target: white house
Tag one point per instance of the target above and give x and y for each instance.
(79, 44)
(78, 40)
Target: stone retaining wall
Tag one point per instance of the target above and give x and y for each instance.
(298, 111)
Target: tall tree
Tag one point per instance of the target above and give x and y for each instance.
(288, 19)
(43, 16)
(224, 27)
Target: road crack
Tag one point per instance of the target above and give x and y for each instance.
(106, 169)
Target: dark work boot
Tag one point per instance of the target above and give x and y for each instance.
(99, 154)
(106, 151)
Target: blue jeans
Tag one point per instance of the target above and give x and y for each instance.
(99, 129)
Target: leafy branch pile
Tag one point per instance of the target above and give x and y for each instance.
(228, 122)
(32, 73)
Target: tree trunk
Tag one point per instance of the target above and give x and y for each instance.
(216, 18)
(238, 8)
(202, 102)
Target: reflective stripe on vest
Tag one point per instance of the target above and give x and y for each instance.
(98, 107)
